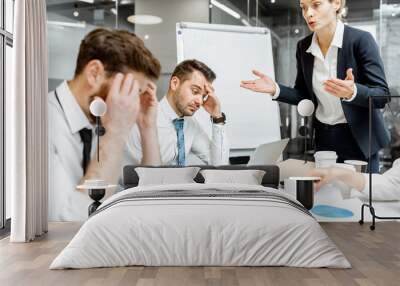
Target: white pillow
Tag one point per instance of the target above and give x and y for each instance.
(166, 176)
(248, 177)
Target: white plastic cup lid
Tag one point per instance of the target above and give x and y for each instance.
(356, 162)
(325, 155)
(345, 166)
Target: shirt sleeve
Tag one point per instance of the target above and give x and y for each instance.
(214, 151)
(277, 92)
(385, 187)
(133, 148)
(354, 95)
(65, 202)
(219, 145)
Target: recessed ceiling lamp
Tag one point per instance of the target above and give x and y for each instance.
(144, 19)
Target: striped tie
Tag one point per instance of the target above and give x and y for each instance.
(178, 123)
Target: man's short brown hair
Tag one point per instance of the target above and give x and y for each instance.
(118, 50)
(187, 67)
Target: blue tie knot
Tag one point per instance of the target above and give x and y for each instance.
(178, 123)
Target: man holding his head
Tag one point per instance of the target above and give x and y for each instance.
(115, 66)
(180, 134)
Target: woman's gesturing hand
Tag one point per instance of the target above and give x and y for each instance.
(263, 84)
(341, 88)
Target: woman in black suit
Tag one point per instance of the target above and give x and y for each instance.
(338, 68)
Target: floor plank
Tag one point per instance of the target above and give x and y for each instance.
(374, 255)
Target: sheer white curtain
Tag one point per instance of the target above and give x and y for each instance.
(27, 121)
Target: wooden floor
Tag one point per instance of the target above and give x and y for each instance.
(375, 257)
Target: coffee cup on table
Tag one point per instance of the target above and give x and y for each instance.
(360, 166)
(324, 159)
(305, 190)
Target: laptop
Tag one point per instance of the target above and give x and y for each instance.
(269, 153)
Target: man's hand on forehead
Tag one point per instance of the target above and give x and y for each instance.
(209, 89)
(149, 86)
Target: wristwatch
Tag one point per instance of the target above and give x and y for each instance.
(219, 120)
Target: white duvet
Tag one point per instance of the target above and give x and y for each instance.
(202, 231)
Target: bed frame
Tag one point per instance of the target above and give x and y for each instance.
(130, 178)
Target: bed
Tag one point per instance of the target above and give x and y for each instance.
(201, 224)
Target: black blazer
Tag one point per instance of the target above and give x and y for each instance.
(359, 52)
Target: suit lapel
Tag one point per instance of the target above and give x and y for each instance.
(341, 61)
(308, 66)
(341, 69)
(308, 70)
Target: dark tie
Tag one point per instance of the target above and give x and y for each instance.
(86, 136)
(178, 124)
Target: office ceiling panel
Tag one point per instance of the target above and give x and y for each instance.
(357, 8)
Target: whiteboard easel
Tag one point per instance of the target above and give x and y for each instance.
(232, 52)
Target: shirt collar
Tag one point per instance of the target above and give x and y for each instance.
(74, 114)
(168, 110)
(337, 40)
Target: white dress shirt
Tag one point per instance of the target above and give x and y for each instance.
(213, 151)
(385, 187)
(329, 110)
(65, 156)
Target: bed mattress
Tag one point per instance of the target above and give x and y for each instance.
(201, 225)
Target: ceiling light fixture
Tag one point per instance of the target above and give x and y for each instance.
(68, 24)
(144, 19)
(76, 12)
(87, 1)
(226, 9)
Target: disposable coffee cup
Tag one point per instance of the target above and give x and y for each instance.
(305, 190)
(344, 166)
(325, 159)
(360, 166)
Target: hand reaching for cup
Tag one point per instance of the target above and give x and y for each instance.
(328, 175)
(263, 83)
